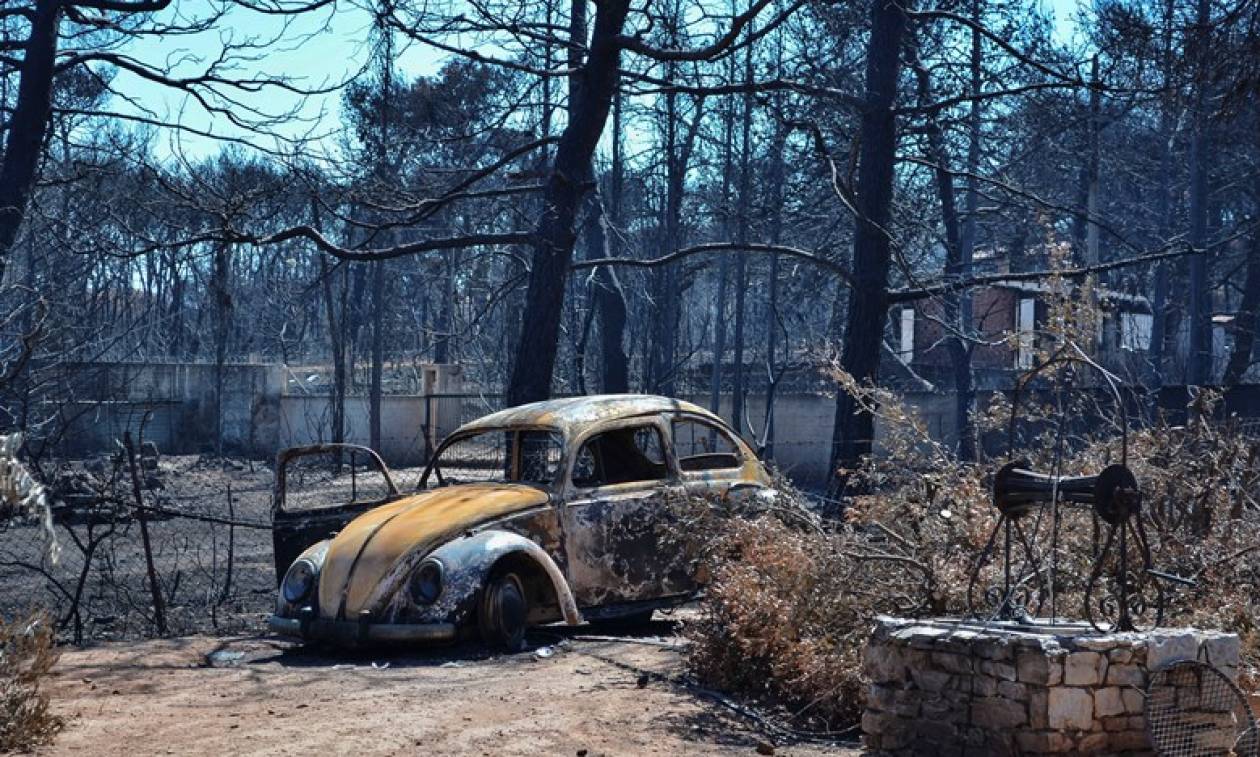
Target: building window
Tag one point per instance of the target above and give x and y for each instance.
(1025, 322)
(905, 347)
(1135, 331)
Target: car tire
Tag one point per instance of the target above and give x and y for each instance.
(504, 610)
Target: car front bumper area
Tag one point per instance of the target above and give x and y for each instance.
(349, 632)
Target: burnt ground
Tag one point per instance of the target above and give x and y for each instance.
(191, 545)
(219, 684)
(255, 695)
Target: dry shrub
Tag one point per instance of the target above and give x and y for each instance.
(788, 605)
(778, 624)
(26, 657)
(791, 600)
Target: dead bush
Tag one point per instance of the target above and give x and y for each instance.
(790, 602)
(26, 657)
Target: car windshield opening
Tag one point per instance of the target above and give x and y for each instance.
(499, 456)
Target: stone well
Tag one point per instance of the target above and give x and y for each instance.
(960, 687)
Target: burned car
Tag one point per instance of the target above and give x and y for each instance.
(544, 512)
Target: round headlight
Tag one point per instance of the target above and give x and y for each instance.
(426, 583)
(299, 581)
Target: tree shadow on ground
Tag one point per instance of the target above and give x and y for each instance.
(538, 640)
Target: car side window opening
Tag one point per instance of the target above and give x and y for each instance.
(702, 446)
(621, 456)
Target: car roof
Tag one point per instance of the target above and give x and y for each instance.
(572, 413)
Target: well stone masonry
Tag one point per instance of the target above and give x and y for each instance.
(949, 687)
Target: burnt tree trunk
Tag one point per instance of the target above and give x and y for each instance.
(743, 211)
(445, 311)
(337, 341)
(665, 279)
(1245, 322)
(1163, 272)
(724, 265)
(957, 253)
(378, 354)
(774, 191)
(221, 290)
(28, 123)
(1200, 357)
(552, 252)
(610, 300)
(854, 428)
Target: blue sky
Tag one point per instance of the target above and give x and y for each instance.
(315, 50)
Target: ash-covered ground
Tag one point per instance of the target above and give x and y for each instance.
(209, 523)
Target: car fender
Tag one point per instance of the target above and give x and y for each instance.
(315, 553)
(467, 562)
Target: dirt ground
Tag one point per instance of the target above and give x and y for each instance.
(218, 687)
(243, 695)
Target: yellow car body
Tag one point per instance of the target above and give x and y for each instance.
(569, 505)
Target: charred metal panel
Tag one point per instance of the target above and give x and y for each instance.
(619, 550)
(367, 549)
(573, 415)
(467, 561)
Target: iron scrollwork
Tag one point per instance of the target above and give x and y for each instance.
(1122, 593)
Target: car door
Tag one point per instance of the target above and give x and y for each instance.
(318, 490)
(615, 519)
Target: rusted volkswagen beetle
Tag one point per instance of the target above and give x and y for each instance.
(543, 512)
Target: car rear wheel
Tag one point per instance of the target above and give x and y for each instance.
(503, 613)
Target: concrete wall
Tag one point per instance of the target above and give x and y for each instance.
(804, 422)
(308, 420)
(171, 404)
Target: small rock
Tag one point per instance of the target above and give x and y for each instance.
(765, 747)
(223, 658)
(1084, 669)
(643, 680)
(1070, 709)
(581, 753)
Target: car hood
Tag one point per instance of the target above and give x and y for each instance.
(363, 553)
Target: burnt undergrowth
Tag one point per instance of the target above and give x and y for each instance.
(791, 595)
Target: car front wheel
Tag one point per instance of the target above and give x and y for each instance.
(503, 613)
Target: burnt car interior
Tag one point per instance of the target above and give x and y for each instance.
(702, 446)
(620, 456)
